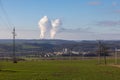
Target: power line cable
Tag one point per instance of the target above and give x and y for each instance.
(4, 22)
(10, 24)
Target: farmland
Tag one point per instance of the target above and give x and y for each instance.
(58, 70)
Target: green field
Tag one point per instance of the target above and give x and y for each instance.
(58, 70)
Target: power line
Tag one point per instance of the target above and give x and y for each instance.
(4, 23)
(10, 25)
(6, 15)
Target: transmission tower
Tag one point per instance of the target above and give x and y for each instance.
(14, 55)
(99, 52)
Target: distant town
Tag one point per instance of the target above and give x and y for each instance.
(55, 48)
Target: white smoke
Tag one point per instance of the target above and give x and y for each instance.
(46, 25)
(55, 26)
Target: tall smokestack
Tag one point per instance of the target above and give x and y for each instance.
(44, 24)
(55, 25)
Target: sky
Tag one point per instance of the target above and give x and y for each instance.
(81, 19)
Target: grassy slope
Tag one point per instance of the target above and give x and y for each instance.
(58, 70)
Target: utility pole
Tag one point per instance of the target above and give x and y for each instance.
(99, 52)
(14, 55)
(116, 50)
(105, 52)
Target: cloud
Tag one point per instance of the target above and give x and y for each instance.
(55, 27)
(87, 35)
(47, 26)
(108, 23)
(114, 4)
(109, 36)
(117, 11)
(44, 25)
(94, 3)
(71, 34)
(75, 34)
(76, 30)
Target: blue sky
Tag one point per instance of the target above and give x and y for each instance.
(82, 19)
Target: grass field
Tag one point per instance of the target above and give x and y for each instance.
(58, 70)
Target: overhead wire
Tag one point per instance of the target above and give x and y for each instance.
(6, 19)
(9, 23)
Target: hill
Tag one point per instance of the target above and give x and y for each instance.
(45, 46)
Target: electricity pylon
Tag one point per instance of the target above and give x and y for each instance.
(14, 55)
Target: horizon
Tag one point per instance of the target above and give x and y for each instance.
(58, 40)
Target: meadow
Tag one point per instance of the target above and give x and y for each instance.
(58, 70)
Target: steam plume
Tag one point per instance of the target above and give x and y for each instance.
(44, 24)
(55, 26)
(48, 26)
